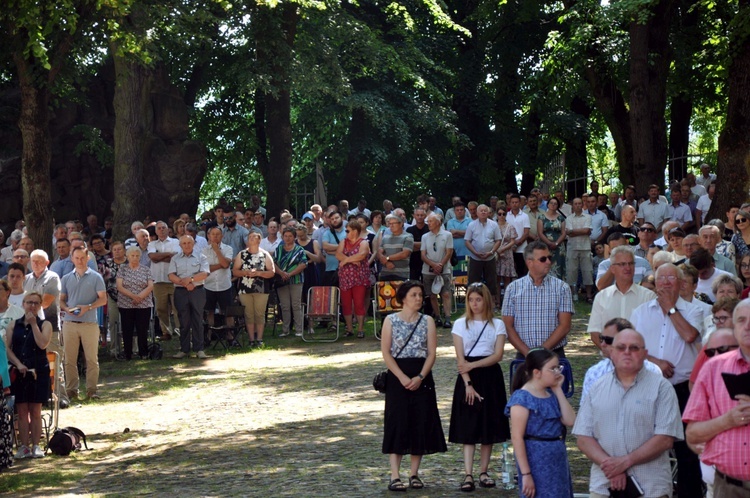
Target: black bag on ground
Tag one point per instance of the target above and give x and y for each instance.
(155, 351)
(66, 440)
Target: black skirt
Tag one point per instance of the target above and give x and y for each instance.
(486, 423)
(412, 421)
(26, 389)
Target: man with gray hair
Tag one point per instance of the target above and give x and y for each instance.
(395, 250)
(618, 300)
(483, 238)
(437, 248)
(671, 328)
(160, 251)
(134, 227)
(6, 254)
(628, 422)
(710, 236)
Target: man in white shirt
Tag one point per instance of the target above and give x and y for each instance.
(680, 212)
(653, 210)
(578, 255)
(704, 204)
(218, 284)
(522, 224)
(160, 252)
(706, 178)
(483, 239)
(707, 272)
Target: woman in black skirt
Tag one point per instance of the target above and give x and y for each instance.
(412, 421)
(479, 399)
(26, 350)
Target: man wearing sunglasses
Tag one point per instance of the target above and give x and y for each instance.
(670, 326)
(721, 423)
(646, 236)
(538, 308)
(627, 423)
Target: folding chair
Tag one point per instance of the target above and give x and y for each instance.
(384, 301)
(460, 283)
(221, 333)
(323, 305)
(568, 386)
(273, 314)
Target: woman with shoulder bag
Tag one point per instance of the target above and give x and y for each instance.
(412, 421)
(479, 397)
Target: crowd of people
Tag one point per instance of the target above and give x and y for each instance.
(662, 280)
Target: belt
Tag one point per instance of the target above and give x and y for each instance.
(733, 481)
(535, 438)
(73, 321)
(183, 287)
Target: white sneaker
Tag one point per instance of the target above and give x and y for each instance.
(284, 334)
(176, 332)
(23, 452)
(179, 355)
(37, 452)
(201, 355)
(298, 334)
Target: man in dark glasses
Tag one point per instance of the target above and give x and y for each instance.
(720, 422)
(538, 308)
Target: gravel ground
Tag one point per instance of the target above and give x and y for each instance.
(293, 419)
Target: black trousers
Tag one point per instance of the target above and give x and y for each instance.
(689, 479)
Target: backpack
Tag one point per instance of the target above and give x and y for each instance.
(155, 351)
(66, 440)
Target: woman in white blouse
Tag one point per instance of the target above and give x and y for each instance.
(479, 397)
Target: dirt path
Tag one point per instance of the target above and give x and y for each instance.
(301, 420)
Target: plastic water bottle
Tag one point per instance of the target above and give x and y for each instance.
(509, 467)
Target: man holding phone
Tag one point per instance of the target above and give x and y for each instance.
(721, 421)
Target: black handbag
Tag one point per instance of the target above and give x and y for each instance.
(380, 381)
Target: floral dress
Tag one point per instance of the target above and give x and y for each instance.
(504, 262)
(353, 275)
(552, 230)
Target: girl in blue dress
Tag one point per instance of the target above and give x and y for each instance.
(539, 413)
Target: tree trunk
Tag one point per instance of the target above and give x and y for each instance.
(35, 156)
(733, 169)
(132, 125)
(649, 67)
(349, 186)
(679, 136)
(274, 45)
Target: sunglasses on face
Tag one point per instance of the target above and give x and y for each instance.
(544, 259)
(633, 348)
(500, 214)
(608, 340)
(710, 352)
(740, 220)
(647, 229)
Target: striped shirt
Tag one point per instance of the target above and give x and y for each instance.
(622, 420)
(535, 308)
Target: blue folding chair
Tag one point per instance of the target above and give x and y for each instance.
(568, 386)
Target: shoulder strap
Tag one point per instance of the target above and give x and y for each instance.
(409, 339)
(480, 336)
(335, 235)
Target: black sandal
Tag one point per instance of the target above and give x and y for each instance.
(415, 482)
(361, 334)
(468, 485)
(486, 482)
(396, 485)
(348, 333)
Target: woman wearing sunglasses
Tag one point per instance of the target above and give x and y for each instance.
(741, 238)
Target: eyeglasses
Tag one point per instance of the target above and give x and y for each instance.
(33, 303)
(633, 348)
(606, 339)
(558, 369)
(745, 266)
(710, 352)
(544, 259)
(647, 229)
(501, 214)
(720, 319)
(667, 278)
(624, 264)
(740, 220)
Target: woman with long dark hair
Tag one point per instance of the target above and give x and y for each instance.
(412, 421)
(479, 398)
(539, 413)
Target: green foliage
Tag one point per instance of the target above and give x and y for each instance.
(92, 143)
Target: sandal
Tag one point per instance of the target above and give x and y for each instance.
(486, 482)
(396, 485)
(468, 484)
(348, 333)
(361, 334)
(415, 482)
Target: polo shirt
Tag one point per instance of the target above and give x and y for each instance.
(47, 283)
(81, 291)
(459, 244)
(393, 244)
(332, 263)
(64, 266)
(434, 247)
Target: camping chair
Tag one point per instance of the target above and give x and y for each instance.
(273, 313)
(568, 386)
(460, 283)
(220, 334)
(323, 305)
(384, 301)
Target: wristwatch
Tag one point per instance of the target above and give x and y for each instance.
(671, 311)
(387, 258)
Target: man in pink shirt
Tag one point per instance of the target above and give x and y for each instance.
(721, 423)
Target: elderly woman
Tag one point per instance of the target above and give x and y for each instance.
(113, 264)
(26, 350)
(314, 255)
(412, 420)
(253, 266)
(178, 228)
(551, 231)
(134, 301)
(726, 286)
(291, 261)
(354, 276)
